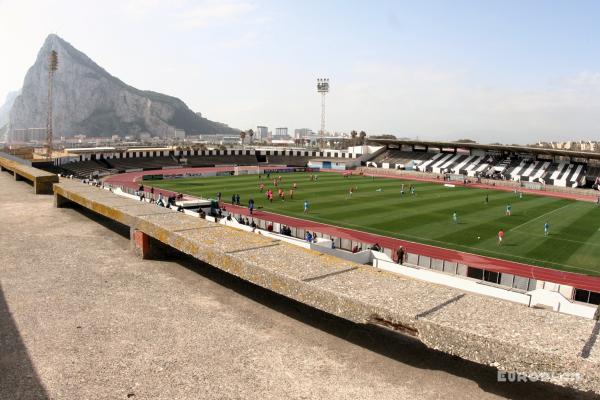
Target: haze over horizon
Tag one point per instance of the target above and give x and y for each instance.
(511, 72)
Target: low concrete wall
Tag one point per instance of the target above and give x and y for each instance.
(489, 331)
(42, 180)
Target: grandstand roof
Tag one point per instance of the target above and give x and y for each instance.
(491, 147)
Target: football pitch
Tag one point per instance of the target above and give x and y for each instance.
(377, 206)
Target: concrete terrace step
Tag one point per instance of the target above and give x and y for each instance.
(511, 337)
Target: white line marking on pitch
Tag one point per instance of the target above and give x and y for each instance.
(541, 216)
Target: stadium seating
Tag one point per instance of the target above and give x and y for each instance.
(211, 161)
(399, 157)
(124, 164)
(84, 169)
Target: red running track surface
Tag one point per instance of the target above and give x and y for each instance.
(579, 281)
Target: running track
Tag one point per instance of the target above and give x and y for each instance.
(580, 281)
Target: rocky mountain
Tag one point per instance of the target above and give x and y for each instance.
(90, 101)
(5, 108)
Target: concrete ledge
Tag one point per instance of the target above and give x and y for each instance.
(42, 181)
(511, 337)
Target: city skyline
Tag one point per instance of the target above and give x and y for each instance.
(503, 71)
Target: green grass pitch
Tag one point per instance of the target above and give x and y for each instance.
(572, 245)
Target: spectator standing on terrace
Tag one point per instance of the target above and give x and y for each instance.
(308, 237)
(400, 254)
(500, 236)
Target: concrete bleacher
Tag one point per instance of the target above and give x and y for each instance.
(124, 164)
(489, 331)
(84, 169)
(41, 180)
(212, 160)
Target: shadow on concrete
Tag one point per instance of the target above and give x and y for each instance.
(18, 378)
(404, 349)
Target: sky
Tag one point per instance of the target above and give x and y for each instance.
(494, 71)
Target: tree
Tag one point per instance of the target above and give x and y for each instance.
(242, 136)
(386, 136)
(251, 134)
(353, 135)
(465, 141)
(362, 135)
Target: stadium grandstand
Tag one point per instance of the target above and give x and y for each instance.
(561, 168)
(84, 163)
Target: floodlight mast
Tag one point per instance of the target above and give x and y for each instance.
(323, 88)
(52, 67)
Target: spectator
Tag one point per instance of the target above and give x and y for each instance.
(355, 249)
(400, 254)
(309, 237)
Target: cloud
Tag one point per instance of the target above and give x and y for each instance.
(214, 12)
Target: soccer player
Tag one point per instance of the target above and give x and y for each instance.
(508, 210)
(455, 217)
(306, 206)
(295, 186)
(500, 236)
(292, 194)
(546, 229)
(262, 187)
(487, 198)
(413, 191)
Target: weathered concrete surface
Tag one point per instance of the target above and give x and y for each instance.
(82, 318)
(42, 180)
(481, 329)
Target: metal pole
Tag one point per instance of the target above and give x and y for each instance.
(322, 117)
